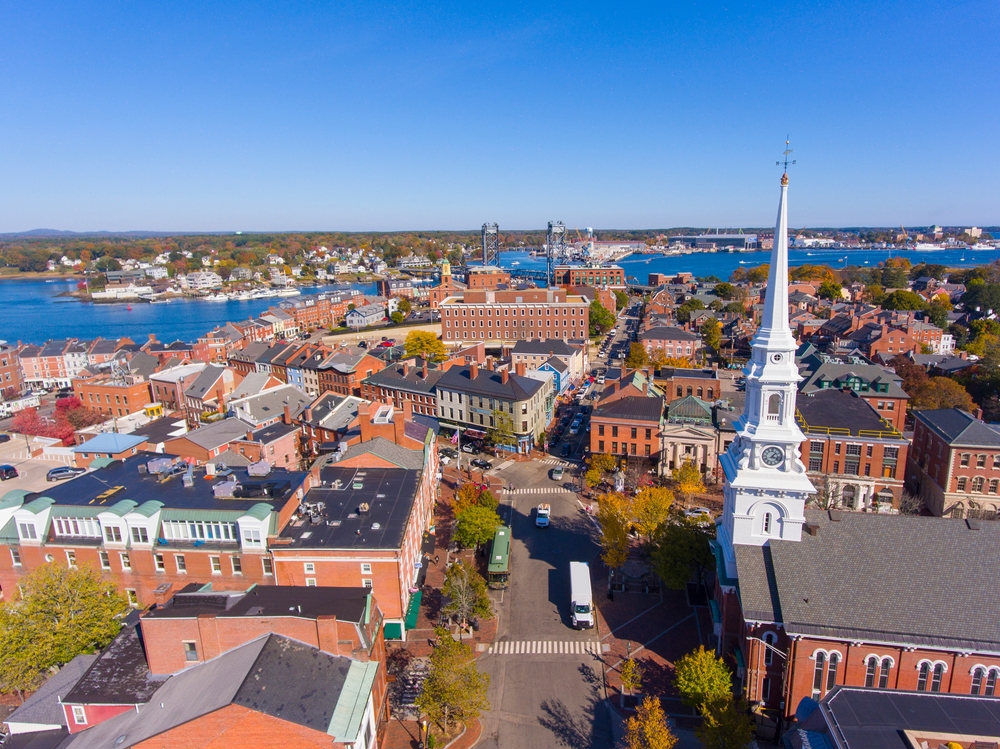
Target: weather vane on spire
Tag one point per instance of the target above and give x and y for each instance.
(787, 152)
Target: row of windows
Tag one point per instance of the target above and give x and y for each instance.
(700, 392)
(977, 485)
(854, 449)
(614, 431)
(851, 468)
(627, 448)
(506, 324)
(529, 313)
(471, 336)
(877, 672)
(965, 459)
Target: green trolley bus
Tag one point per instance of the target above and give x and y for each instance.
(498, 571)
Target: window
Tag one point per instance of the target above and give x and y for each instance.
(614, 431)
(28, 531)
(816, 448)
(181, 563)
(600, 429)
(961, 483)
(996, 461)
(190, 651)
(922, 674)
(991, 683)
(977, 484)
(994, 485)
(367, 583)
(183, 530)
(831, 671)
(126, 562)
(769, 639)
(614, 448)
(977, 680)
(251, 537)
(980, 461)
(268, 567)
(854, 450)
(70, 558)
(936, 678)
(216, 563)
(774, 407)
(79, 715)
(140, 536)
(366, 568)
(105, 560)
(836, 466)
(133, 599)
(965, 460)
(15, 557)
(634, 432)
(600, 446)
(311, 582)
(159, 563)
(309, 568)
(767, 523)
(765, 688)
(870, 672)
(883, 677)
(237, 565)
(818, 673)
(851, 467)
(112, 534)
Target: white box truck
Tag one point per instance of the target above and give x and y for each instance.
(582, 598)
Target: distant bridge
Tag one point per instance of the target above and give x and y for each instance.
(529, 274)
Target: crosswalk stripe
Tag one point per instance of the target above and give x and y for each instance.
(544, 647)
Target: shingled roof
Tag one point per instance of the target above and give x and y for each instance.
(919, 587)
(960, 429)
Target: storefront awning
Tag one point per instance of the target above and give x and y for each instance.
(393, 631)
(413, 609)
(474, 434)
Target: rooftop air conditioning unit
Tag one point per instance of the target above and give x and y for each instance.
(260, 468)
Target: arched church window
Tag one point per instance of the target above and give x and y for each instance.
(767, 524)
(774, 407)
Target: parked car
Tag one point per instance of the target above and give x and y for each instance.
(701, 515)
(4, 438)
(7, 472)
(471, 448)
(63, 472)
(481, 463)
(565, 451)
(448, 453)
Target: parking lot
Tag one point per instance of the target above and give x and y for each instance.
(31, 471)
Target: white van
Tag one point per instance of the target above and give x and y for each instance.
(581, 596)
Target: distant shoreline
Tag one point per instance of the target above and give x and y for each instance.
(37, 275)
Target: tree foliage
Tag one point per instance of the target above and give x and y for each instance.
(405, 306)
(648, 728)
(425, 344)
(466, 592)
(603, 462)
(703, 679)
(614, 517)
(630, 673)
(651, 509)
(711, 334)
(637, 358)
(70, 415)
(904, 300)
(62, 613)
(397, 318)
(475, 526)
(454, 690)
(621, 298)
(473, 495)
(601, 321)
(683, 311)
(724, 290)
(688, 479)
(501, 432)
(726, 726)
(941, 392)
(831, 290)
(681, 553)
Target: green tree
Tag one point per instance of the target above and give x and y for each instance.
(466, 592)
(501, 432)
(941, 392)
(703, 679)
(682, 552)
(454, 690)
(651, 509)
(874, 293)
(711, 334)
(425, 344)
(648, 728)
(592, 477)
(614, 517)
(397, 318)
(601, 321)
(937, 312)
(904, 300)
(724, 290)
(62, 613)
(683, 312)
(831, 290)
(475, 526)
(759, 273)
(630, 673)
(637, 358)
(621, 298)
(405, 306)
(726, 726)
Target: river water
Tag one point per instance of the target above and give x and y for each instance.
(33, 310)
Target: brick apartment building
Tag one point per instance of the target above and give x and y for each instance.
(855, 458)
(405, 382)
(590, 275)
(810, 616)
(670, 342)
(681, 383)
(954, 464)
(501, 316)
(342, 371)
(168, 385)
(112, 395)
(626, 424)
(10, 371)
(485, 277)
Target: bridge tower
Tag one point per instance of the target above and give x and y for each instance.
(555, 247)
(491, 244)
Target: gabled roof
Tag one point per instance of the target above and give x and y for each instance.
(110, 442)
(960, 429)
(43, 707)
(925, 591)
(557, 364)
(119, 676)
(632, 408)
(251, 352)
(252, 384)
(270, 403)
(204, 384)
(382, 448)
(217, 434)
(690, 407)
(552, 347)
(333, 412)
(413, 381)
(666, 333)
(489, 383)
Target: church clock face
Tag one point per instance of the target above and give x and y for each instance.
(772, 456)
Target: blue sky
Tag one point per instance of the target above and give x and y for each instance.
(248, 116)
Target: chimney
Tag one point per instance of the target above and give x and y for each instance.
(307, 415)
(249, 436)
(645, 387)
(399, 425)
(504, 376)
(812, 529)
(365, 421)
(220, 397)
(489, 363)
(473, 371)
(406, 368)
(287, 416)
(423, 372)
(520, 369)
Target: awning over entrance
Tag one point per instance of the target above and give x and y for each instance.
(413, 609)
(474, 434)
(393, 631)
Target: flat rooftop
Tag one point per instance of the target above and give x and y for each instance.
(838, 409)
(307, 602)
(336, 513)
(124, 479)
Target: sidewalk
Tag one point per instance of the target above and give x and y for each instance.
(405, 734)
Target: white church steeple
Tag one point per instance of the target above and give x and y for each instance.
(766, 484)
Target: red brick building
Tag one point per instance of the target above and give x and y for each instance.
(342, 371)
(590, 275)
(500, 316)
(405, 383)
(954, 464)
(629, 425)
(10, 370)
(111, 395)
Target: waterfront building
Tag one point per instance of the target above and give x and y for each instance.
(506, 316)
(590, 275)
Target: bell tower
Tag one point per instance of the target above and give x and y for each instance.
(766, 485)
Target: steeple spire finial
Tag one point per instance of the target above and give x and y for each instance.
(786, 153)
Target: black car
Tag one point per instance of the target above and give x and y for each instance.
(7, 472)
(4, 438)
(481, 464)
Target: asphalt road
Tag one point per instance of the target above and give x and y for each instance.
(544, 699)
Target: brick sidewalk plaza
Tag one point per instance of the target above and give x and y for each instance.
(405, 734)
